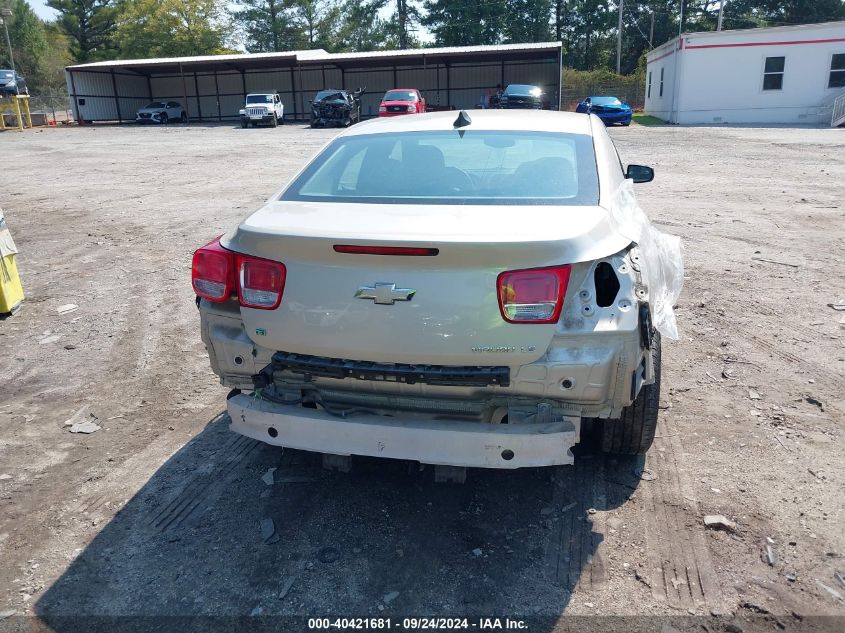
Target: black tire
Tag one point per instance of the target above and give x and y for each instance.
(184, 118)
(164, 119)
(244, 124)
(274, 121)
(282, 120)
(626, 124)
(633, 433)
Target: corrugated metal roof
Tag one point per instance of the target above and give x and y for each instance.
(448, 50)
(316, 56)
(123, 63)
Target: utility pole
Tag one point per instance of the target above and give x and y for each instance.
(651, 32)
(402, 10)
(721, 7)
(619, 41)
(676, 71)
(681, 19)
(5, 14)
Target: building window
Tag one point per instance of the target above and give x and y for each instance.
(773, 73)
(648, 93)
(837, 71)
(661, 81)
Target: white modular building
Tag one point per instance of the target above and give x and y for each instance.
(214, 87)
(781, 75)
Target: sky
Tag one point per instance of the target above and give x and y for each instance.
(41, 9)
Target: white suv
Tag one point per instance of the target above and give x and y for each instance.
(262, 107)
(459, 289)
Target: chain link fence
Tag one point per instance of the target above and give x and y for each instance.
(56, 105)
(44, 108)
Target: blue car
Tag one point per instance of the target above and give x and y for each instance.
(609, 109)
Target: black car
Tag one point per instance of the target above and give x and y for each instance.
(11, 83)
(336, 108)
(521, 96)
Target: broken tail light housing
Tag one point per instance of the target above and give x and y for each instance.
(218, 273)
(212, 272)
(261, 282)
(534, 295)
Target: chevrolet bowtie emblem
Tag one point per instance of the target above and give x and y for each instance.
(385, 294)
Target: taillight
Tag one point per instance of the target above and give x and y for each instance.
(534, 295)
(217, 273)
(260, 282)
(212, 272)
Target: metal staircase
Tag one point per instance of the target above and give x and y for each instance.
(837, 115)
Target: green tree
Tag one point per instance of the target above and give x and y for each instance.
(169, 28)
(462, 23)
(528, 21)
(749, 13)
(88, 25)
(29, 43)
(318, 22)
(270, 25)
(362, 28)
(40, 51)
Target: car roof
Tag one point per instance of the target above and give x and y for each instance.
(504, 120)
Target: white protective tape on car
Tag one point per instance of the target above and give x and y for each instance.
(662, 254)
(7, 244)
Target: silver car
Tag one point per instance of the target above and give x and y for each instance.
(162, 112)
(459, 289)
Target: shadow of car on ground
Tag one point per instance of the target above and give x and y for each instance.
(207, 536)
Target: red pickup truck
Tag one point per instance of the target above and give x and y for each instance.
(401, 101)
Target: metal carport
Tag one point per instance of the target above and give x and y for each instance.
(213, 87)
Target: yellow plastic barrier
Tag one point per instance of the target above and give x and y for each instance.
(11, 290)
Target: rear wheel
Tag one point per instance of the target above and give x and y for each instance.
(633, 433)
(274, 121)
(184, 117)
(164, 119)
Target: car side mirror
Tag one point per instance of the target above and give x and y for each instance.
(640, 173)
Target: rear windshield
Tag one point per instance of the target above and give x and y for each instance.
(332, 95)
(400, 95)
(523, 89)
(605, 101)
(448, 167)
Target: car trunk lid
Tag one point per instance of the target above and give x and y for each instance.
(439, 309)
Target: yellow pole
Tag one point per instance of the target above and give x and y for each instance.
(25, 100)
(18, 114)
(2, 116)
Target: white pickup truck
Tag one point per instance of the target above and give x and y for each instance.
(263, 107)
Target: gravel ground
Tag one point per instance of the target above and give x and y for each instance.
(160, 513)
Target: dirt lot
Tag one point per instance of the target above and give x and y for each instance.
(159, 512)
